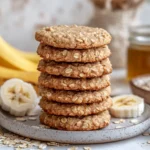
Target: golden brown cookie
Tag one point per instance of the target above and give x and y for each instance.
(74, 55)
(76, 70)
(77, 37)
(76, 97)
(63, 83)
(54, 108)
(85, 123)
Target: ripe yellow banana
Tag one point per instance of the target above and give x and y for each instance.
(7, 73)
(7, 64)
(27, 55)
(17, 61)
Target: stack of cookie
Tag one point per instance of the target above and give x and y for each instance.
(74, 81)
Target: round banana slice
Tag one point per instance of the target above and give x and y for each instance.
(127, 106)
(17, 97)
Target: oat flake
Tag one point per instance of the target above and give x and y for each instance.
(87, 148)
(72, 148)
(134, 121)
(21, 119)
(118, 127)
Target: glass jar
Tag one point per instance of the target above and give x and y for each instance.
(139, 52)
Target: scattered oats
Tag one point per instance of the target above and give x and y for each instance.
(118, 127)
(36, 127)
(23, 146)
(61, 144)
(6, 142)
(7, 135)
(21, 143)
(122, 120)
(148, 142)
(134, 121)
(21, 119)
(72, 148)
(52, 144)
(27, 139)
(17, 141)
(42, 146)
(51, 149)
(116, 122)
(1, 140)
(32, 118)
(2, 137)
(87, 148)
(18, 148)
(36, 143)
(146, 134)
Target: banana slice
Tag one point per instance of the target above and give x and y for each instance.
(127, 106)
(17, 97)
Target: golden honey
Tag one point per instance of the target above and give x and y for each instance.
(138, 62)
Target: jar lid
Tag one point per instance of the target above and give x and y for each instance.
(140, 35)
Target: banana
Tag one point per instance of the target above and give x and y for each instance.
(127, 106)
(17, 61)
(27, 55)
(7, 73)
(17, 97)
(6, 64)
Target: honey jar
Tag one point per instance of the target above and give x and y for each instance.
(138, 61)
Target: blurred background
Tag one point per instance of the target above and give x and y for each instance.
(19, 19)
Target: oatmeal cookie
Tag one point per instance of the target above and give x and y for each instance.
(54, 108)
(76, 70)
(85, 123)
(63, 83)
(76, 97)
(74, 55)
(73, 36)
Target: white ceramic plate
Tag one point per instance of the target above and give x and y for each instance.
(32, 129)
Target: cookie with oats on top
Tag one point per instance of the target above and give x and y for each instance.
(76, 70)
(73, 36)
(86, 123)
(64, 83)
